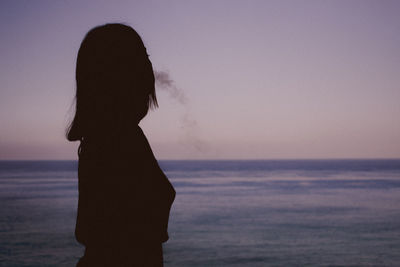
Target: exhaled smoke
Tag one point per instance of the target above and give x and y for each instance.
(164, 82)
(188, 123)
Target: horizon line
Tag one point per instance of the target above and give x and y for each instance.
(230, 159)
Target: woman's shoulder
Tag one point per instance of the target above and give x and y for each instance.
(129, 146)
(132, 141)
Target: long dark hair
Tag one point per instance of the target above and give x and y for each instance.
(114, 82)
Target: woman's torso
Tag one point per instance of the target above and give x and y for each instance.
(123, 193)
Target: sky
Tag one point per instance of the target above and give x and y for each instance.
(258, 79)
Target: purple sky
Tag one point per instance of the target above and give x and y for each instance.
(261, 79)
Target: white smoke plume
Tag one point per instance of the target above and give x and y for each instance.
(189, 125)
(164, 81)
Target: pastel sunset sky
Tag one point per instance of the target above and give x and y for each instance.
(260, 79)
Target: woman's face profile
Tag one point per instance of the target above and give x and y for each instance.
(115, 81)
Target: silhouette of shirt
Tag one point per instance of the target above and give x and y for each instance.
(124, 196)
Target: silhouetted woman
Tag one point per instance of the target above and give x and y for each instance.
(124, 197)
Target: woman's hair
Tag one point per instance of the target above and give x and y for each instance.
(114, 82)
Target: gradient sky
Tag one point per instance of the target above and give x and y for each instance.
(262, 79)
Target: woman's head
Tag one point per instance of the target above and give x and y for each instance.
(114, 82)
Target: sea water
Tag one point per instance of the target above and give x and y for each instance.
(226, 213)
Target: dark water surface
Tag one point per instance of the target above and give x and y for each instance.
(226, 213)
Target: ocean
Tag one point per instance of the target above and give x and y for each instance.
(226, 213)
